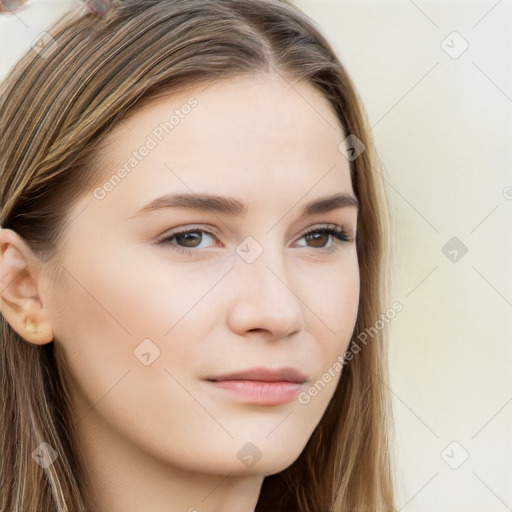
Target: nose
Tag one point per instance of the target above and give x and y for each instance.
(263, 300)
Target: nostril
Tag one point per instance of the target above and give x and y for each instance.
(258, 330)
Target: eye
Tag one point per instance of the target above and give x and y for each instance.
(318, 235)
(189, 241)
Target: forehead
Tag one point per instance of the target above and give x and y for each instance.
(240, 136)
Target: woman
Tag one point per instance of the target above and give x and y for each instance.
(193, 236)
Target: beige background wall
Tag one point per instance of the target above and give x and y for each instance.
(442, 122)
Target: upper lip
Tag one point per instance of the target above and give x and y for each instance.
(262, 374)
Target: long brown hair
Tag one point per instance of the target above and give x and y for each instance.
(56, 110)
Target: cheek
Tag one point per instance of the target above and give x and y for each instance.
(332, 298)
(111, 325)
(121, 317)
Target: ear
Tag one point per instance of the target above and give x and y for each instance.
(21, 304)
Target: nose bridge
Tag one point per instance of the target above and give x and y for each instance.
(265, 259)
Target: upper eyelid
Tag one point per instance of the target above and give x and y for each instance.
(214, 232)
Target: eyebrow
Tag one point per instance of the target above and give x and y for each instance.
(236, 208)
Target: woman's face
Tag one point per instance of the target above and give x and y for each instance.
(148, 317)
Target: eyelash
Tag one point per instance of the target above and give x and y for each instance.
(332, 229)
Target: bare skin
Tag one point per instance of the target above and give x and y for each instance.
(160, 436)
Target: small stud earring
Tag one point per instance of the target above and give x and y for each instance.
(32, 327)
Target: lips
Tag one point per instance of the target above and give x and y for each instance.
(260, 386)
(262, 374)
(255, 392)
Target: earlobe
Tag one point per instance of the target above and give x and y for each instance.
(20, 303)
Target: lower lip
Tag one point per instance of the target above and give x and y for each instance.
(261, 393)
